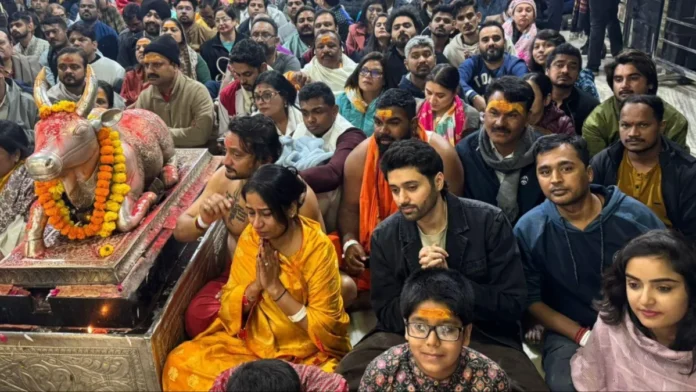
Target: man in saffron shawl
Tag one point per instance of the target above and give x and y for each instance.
(367, 199)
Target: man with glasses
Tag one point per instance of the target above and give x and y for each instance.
(196, 33)
(434, 229)
(182, 103)
(437, 306)
(264, 31)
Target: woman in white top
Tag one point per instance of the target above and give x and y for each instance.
(275, 97)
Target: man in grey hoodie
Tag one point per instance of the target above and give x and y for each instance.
(567, 242)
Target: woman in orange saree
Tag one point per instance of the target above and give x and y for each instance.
(283, 298)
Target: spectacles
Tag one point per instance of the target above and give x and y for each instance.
(223, 20)
(446, 333)
(373, 73)
(265, 97)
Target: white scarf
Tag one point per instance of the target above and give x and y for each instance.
(334, 78)
(294, 120)
(331, 137)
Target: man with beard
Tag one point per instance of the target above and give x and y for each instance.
(250, 142)
(247, 62)
(127, 38)
(567, 243)
(465, 43)
(292, 7)
(420, 60)
(22, 69)
(303, 38)
(22, 30)
(40, 7)
(106, 36)
(54, 29)
(441, 26)
(82, 36)
(478, 71)
(366, 198)
(631, 73)
(403, 24)
(265, 32)
(72, 68)
(649, 167)
(153, 12)
(196, 33)
(182, 103)
(563, 68)
(323, 20)
(436, 229)
(498, 161)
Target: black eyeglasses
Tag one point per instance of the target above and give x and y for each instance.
(265, 97)
(446, 333)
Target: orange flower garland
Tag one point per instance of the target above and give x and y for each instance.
(110, 193)
(62, 106)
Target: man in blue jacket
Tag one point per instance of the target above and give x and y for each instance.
(477, 72)
(566, 244)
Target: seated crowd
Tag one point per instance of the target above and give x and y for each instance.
(456, 176)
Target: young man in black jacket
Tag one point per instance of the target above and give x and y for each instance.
(649, 167)
(563, 68)
(435, 229)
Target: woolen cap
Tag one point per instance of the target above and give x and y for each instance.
(166, 46)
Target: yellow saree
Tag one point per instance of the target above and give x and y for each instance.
(310, 275)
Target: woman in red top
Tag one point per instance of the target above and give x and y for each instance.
(358, 32)
(134, 82)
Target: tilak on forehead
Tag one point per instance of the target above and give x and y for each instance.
(325, 39)
(384, 114)
(505, 107)
(434, 313)
(153, 56)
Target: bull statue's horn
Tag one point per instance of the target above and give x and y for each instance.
(85, 104)
(41, 89)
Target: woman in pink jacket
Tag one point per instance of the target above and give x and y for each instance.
(358, 33)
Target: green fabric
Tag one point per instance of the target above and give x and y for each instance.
(202, 71)
(295, 45)
(228, 45)
(359, 120)
(601, 127)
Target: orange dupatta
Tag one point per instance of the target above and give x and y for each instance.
(376, 202)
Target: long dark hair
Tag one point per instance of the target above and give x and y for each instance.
(446, 76)
(363, 11)
(550, 35)
(354, 78)
(667, 245)
(280, 187)
(372, 44)
(13, 139)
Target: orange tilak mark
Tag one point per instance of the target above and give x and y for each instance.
(384, 114)
(325, 39)
(434, 314)
(505, 107)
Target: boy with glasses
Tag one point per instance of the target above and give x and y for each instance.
(437, 306)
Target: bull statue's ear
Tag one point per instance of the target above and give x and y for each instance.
(107, 118)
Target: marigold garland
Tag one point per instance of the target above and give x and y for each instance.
(62, 106)
(108, 196)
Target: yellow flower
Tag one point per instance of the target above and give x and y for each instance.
(113, 206)
(120, 189)
(119, 168)
(119, 178)
(119, 159)
(114, 135)
(106, 250)
(116, 198)
(110, 216)
(116, 143)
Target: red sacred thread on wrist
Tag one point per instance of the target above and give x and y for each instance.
(580, 334)
(245, 300)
